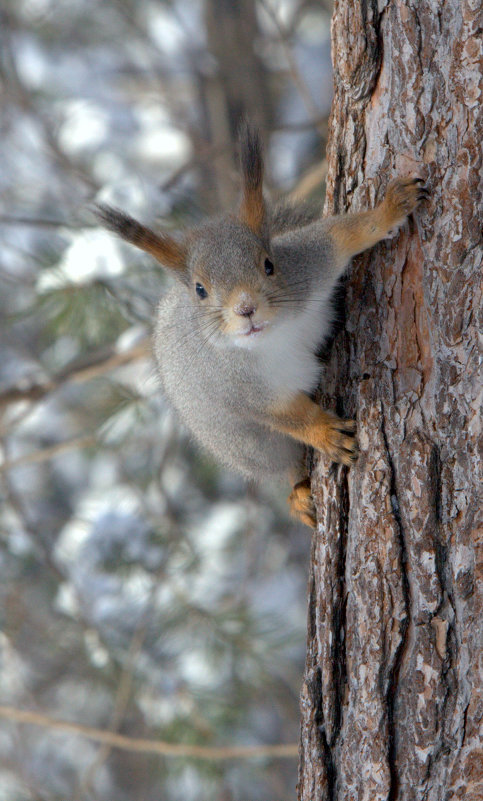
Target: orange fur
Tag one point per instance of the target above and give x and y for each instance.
(301, 503)
(252, 209)
(353, 233)
(162, 246)
(305, 421)
(165, 249)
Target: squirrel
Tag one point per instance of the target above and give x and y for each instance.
(236, 337)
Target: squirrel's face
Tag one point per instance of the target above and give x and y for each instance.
(233, 283)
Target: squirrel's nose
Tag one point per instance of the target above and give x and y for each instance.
(245, 308)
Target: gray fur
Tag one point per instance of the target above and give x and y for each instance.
(287, 216)
(236, 336)
(219, 390)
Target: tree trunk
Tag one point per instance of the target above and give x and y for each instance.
(390, 701)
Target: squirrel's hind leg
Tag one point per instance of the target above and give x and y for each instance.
(301, 503)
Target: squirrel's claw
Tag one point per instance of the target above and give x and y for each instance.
(403, 196)
(337, 440)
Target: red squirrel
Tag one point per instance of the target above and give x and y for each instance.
(236, 336)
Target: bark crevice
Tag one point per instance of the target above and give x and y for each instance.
(339, 614)
(326, 750)
(394, 669)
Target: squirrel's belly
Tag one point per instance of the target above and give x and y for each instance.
(248, 448)
(221, 395)
(234, 438)
(221, 422)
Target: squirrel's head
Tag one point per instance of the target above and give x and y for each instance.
(225, 264)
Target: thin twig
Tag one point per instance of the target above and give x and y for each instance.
(211, 152)
(97, 364)
(320, 122)
(141, 745)
(198, 159)
(297, 79)
(44, 454)
(124, 689)
(26, 102)
(310, 181)
(41, 222)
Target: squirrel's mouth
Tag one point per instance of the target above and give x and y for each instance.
(255, 328)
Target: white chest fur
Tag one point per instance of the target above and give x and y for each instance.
(285, 352)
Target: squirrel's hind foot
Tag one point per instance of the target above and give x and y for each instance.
(301, 503)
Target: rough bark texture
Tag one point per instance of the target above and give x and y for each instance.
(391, 703)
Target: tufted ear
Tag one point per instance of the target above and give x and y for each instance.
(252, 208)
(164, 248)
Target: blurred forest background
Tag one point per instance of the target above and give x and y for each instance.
(143, 590)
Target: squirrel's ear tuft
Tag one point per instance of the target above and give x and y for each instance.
(163, 247)
(252, 208)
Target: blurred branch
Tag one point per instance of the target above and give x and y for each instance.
(140, 745)
(124, 688)
(39, 222)
(96, 364)
(44, 454)
(197, 160)
(25, 101)
(41, 548)
(320, 122)
(210, 152)
(310, 181)
(295, 74)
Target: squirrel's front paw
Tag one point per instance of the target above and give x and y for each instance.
(335, 437)
(403, 196)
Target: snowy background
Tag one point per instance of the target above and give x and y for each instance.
(143, 589)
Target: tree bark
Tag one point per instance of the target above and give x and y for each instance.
(390, 702)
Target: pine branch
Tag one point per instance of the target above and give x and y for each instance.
(44, 454)
(96, 364)
(140, 745)
(42, 222)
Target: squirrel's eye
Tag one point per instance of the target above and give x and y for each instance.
(269, 268)
(201, 291)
